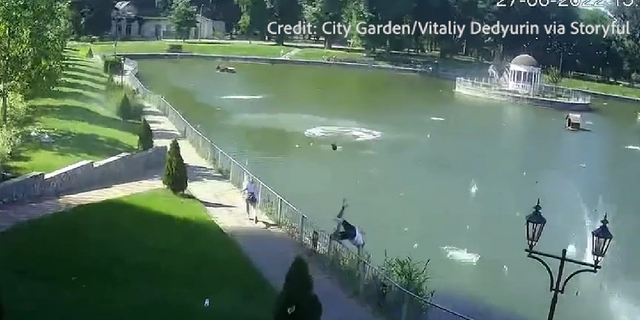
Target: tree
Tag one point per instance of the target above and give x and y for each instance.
(145, 136)
(183, 16)
(297, 300)
(175, 171)
(124, 110)
(286, 12)
(165, 7)
(32, 42)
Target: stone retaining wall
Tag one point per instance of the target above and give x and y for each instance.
(83, 175)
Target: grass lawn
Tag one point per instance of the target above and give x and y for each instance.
(80, 118)
(602, 87)
(147, 256)
(237, 49)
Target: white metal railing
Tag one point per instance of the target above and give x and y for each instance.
(541, 91)
(354, 271)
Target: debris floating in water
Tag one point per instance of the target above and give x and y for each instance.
(588, 122)
(297, 146)
(467, 227)
(437, 119)
(517, 213)
(415, 246)
(473, 188)
(428, 136)
(632, 147)
(406, 229)
(206, 302)
(460, 255)
(524, 173)
(583, 165)
(506, 269)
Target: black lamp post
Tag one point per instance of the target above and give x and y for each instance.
(601, 239)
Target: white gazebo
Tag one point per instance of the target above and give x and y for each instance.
(524, 74)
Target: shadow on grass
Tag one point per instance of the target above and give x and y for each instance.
(64, 93)
(99, 80)
(75, 113)
(67, 143)
(137, 260)
(87, 70)
(81, 84)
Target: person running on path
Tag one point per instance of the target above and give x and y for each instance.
(349, 231)
(250, 198)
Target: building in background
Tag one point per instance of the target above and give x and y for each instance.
(128, 23)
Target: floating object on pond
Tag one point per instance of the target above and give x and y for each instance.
(334, 146)
(206, 302)
(297, 146)
(437, 119)
(225, 69)
(632, 147)
(574, 121)
(583, 165)
(415, 246)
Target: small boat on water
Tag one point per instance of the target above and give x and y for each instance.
(225, 69)
(574, 122)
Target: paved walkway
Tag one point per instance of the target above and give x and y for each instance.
(12, 214)
(270, 250)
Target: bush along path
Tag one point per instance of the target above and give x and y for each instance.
(271, 250)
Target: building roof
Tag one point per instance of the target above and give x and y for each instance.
(122, 4)
(525, 60)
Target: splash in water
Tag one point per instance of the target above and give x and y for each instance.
(242, 97)
(460, 255)
(358, 134)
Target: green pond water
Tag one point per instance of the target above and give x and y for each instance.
(434, 175)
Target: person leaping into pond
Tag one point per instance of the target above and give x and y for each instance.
(349, 231)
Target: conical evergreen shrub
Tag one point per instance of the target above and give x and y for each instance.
(297, 301)
(175, 171)
(145, 136)
(124, 108)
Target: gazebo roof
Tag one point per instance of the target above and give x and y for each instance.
(525, 60)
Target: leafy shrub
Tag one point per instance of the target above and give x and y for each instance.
(297, 300)
(124, 110)
(410, 274)
(174, 48)
(145, 136)
(175, 171)
(554, 76)
(112, 65)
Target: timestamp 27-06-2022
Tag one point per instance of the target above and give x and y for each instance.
(586, 4)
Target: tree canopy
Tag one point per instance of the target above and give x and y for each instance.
(33, 35)
(613, 56)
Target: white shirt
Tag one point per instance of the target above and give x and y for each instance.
(358, 241)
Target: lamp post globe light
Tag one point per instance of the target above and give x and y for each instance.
(600, 239)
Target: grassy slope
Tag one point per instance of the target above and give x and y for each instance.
(146, 256)
(79, 116)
